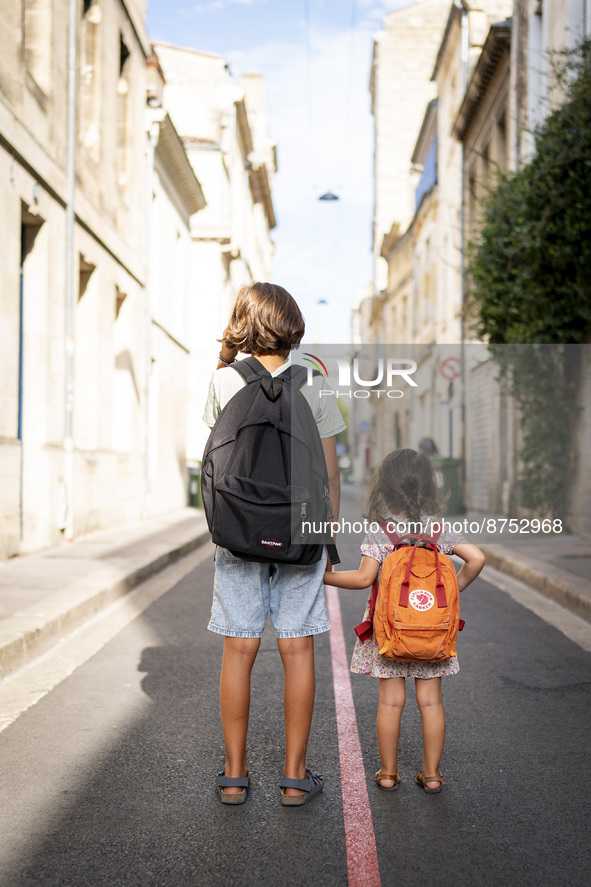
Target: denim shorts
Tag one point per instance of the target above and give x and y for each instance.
(246, 593)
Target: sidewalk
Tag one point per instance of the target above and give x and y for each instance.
(558, 568)
(45, 595)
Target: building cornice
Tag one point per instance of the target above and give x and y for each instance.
(26, 151)
(390, 240)
(454, 14)
(259, 177)
(497, 43)
(138, 25)
(372, 74)
(427, 131)
(261, 192)
(244, 127)
(172, 153)
(187, 49)
(170, 335)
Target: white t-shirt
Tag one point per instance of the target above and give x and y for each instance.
(225, 382)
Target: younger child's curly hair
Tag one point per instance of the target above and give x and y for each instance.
(404, 484)
(265, 319)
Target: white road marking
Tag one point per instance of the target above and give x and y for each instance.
(26, 687)
(573, 627)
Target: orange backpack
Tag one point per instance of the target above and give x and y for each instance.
(417, 611)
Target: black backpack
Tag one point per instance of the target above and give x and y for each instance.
(263, 478)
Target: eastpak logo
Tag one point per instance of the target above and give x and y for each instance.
(272, 543)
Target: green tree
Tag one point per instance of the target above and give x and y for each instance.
(530, 279)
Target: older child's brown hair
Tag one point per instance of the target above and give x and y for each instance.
(404, 484)
(265, 319)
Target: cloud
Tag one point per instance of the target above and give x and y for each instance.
(371, 13)
(218, 6)
(319, 114)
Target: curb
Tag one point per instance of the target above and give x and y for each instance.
(567, 589)
(28, 634)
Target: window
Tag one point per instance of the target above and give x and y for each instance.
(29, 272)
(123, 115)
(90, 93)
(120, 298)
(126, 394)
(502, 142)
(37, 41)
(85, 271)
(485, 166)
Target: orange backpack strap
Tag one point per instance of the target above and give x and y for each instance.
(365, 629)
(429, 542)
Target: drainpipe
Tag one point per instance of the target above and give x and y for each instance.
(464, 45)
(69, 270)
(151, 143)
(21, 316)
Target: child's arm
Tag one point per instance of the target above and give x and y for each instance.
(329, 446)
(361, 578)
(474, 562)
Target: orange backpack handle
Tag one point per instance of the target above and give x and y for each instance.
(429, 542)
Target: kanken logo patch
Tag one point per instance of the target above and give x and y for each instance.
(421, 599)
(271, 543)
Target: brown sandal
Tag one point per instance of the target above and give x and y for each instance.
(423, 780)
(386, 788)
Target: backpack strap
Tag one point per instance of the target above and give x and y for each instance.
(430, 542)
(250, 368)
(365, 629)
(298, 374)
(333, 554)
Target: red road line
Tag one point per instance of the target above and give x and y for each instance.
(362, 855)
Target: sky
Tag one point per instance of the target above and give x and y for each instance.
(315, 56)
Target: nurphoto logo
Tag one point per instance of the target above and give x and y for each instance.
(388, 370)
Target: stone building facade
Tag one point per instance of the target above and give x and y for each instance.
(103, 299)
(224, 128)
(39, 500)
(400, 87)
(490, 69)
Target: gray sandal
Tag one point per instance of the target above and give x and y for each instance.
(222, 781)
(312, 785)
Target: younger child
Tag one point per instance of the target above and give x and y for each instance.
(403, 490)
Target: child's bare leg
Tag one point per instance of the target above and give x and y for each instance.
(297, 655)
(237, 662)
(430, 703)
(392, 699)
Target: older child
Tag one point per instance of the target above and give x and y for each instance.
(266, 323)
(403, 490)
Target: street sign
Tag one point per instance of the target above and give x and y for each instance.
(451, 368)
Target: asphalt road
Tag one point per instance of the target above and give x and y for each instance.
(108, 780)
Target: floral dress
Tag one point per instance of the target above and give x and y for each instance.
(366, 658)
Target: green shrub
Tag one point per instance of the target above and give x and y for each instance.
(530, 280)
